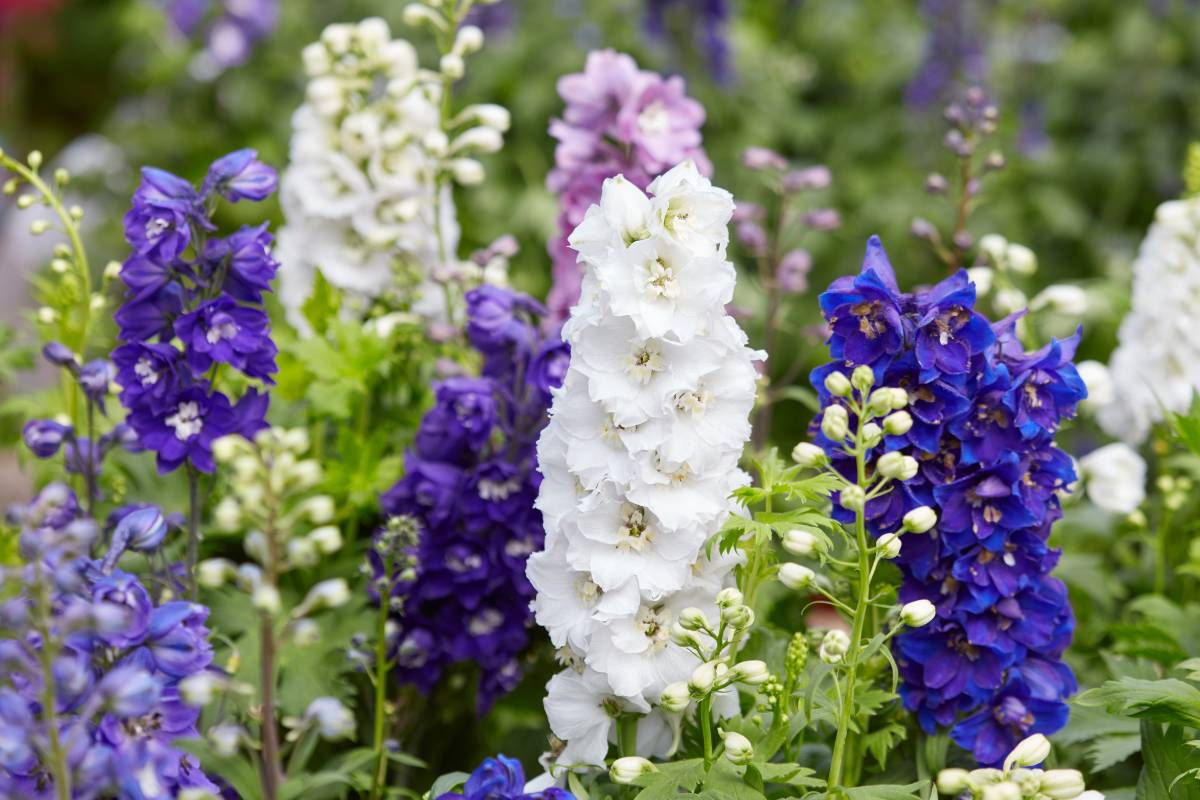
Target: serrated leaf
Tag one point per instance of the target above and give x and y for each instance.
(880, 743)
(1108, 751)
(668, 780)
(725, 781)
(1168, 700)
(886, 792)
(1165, 758)
(792, 774)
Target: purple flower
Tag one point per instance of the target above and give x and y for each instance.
(492, 320)
(147, 372)
(129, 691)
(60, 355)
(95, 377)
(149, 313)
(247, 255)
(44, 437)
(178, 640)
(122, 609)
(864, 311)
(141, 528)
(240, 176)
(165, 207)
(185, 427)
(502, 778)
(222, 330)
(549, 367)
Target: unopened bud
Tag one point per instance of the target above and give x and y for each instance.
(627, 769)
(751, 673)
(1006, 790)
(809, 455)
(800, 542)
(897, 423)
(738, 748)
(835, 423)
(951, 782)
(897, 466)
(729, 596)
(795, 576)
(1062, 784)
(889, 545)
(920, 519)
(704, 677)
(918, 613)
(1029, 752)
(693, 619)
(675, 697)
(838, 384)
(872, 434)
(853, 498)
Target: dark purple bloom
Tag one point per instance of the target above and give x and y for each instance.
(247, 256)
(165, 207)
(95, 378)
(222, 330)
(240, 176)
(149, 313)
(60, 355)
(549, 367)
(502, 778)
(122, 609)
(147, 372)
(185, 427)
(178, 640)
(984, 416)
(44, 437)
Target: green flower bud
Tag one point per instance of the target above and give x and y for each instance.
(809, 455)
(738, 748)
(838, 384)
(835, 423)
(863, 378)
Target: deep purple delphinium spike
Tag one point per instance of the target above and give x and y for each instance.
(469, 486)
(618, 120)
(186, 284)
(984, 417)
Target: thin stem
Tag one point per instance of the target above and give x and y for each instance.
(91, 459)
(837, 765)
(193, 538)
(271, 772)
(1161, 537)
(705, 719)
(382, 667)
(46, 654)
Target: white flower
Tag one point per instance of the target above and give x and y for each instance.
(1101, 390)
(639, 460)
(1061, 298)
(1156, 364)
(1115, 477)
(332, 719)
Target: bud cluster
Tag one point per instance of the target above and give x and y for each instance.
(1016, 781)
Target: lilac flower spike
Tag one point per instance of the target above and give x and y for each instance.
(984, 418)
(618, 119)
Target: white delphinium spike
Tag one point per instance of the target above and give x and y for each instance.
(640, 457)
(1156, 365)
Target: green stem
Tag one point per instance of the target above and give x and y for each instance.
(1160, 554)
(382, 666)
(705, 718)
(193, 538)
(272, 773)
(837, 767)
(59, 771)
(627, 734)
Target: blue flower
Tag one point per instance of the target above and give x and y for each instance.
(864, 311)
(222, 330)
(165, 207)
(240, 176)
(44, 437)
(502, 778)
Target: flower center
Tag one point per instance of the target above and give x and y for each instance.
(655, 624)
(634, 533)
(186, 420)
(497, 490)
(661, 280)
(654, 118)
(145, 372)
(485, 622)
(587, 589)
(643, 363)
(156, 226)
(694, 401)
(223, 328)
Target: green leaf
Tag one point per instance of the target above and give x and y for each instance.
(1187, 426)
(668, 780)
(576, 787)
(1168, 700)
(724, 780)
(882, 742)
(1165, 758)
(306, 784)
(322, 305)
(887, 792)
(235, 769)
(448, 783)
(1108, 751)
(792, 774)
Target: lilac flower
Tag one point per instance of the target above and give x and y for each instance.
(954, 53)
(234, 26)
(618, 120)
(208, 294)
(985, 412)
(469, 485)
(44, 437)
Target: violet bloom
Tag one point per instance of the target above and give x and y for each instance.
(44, 437)
(164, 209)
(146, 372)
(122, 609)
(246, 254)
(185, 427)
(222, 330)
(618, 119)
(95, 377)
(240, 176)
(989, 666)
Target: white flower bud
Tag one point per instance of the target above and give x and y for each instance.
(800, 542)
(38, 227)
(196, 794)
(729, 596)
(326, 95)
(1029, 752)
(1021, 259)
(853, 498)
(227, 448)
(683, 637)
(897, 466)
(809, 455)
(872, 434)
(316, 60)
(889, 545)
(627, 769)
(112, 270)
(899, 398)
(863, 378)
(1090, 794)
(466, 171)
(318, 509)
(675, 697)
(838, 384)
(951, 782)
(836, 642)
(1062, 784)
(469, 40)
(1009, 301)
(306, 474)
(327, 539)
(739, 617)
(835, 423)
(920, 519)
(326, 594)
(983, 278)
(490, 115)
(1099, 381)
(213, 572)
(918, 613)
(332, 719)
(199, 689)
(228, 515)
(897, 423)
(693, 619)
(993, 245)
(302, 552)
(34, 159)
(338, 37)
(255, 545)
(880, 401)
(738, 748)
(480, 139)
(1006, 790)
(795, 576)
(452, 66)
(1061, 298)
(373, 35)
(266, 598)
(436, 142)
(751, 673)
(225, 738)
(294, 439)
(417, 13)
(47, 315)
(305, 632)
(704, 677)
